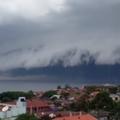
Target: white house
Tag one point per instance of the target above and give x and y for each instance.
(10, 111)
(115, 97)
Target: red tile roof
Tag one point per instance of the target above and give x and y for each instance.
(77, 117)
(36, 103)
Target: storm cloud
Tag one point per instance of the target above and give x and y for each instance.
(37, 33)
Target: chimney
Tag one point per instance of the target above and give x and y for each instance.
(70, 114)
(80, 114)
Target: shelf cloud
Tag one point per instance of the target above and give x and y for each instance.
(40, 33)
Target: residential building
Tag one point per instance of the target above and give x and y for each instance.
(36, 106)
(12, 110)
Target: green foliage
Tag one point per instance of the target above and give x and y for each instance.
(59, 87)
(46, 117)
(91, 89)
(9, 96)
(81, 105)
(26, 117)
(48, 94)
(115, 112)
(113, 90)
(119, 88)
(102, 102)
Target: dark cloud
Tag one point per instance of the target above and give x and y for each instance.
(29, 39)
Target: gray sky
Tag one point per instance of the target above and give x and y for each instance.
(35, 32)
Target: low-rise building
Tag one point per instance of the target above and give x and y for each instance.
(36, 106)
(12, 110)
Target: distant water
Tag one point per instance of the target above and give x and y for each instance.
(14, 85)
(37, 85)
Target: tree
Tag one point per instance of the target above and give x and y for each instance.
(13, 95)
(115, 113)
(59, 87)
(113, 90)
(26, 117)
(103, 102)
(48, 94)
(91, 89)
(45, 117)
(81, 105)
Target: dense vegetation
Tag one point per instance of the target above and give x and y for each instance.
(102, 102)
(48, 94)
(45, 117)
(80, 105)
(9, 96)
(32, 117)
(26, 117)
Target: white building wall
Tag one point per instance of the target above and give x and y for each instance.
(19, 108)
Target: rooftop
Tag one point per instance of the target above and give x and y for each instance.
(36, 103)
(77, 117)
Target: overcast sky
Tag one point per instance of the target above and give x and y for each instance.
(37, 33)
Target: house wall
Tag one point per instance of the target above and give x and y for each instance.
(19, 108)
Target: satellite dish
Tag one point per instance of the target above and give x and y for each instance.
(4, 109)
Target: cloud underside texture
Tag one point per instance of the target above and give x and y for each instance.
(37, 33)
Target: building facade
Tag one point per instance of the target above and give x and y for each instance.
(36, 106)
(11, 111)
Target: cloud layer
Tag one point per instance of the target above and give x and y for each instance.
(28, 9)
(37, 33)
